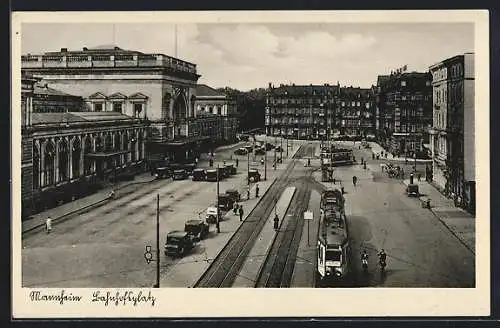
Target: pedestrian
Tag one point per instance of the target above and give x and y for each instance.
(419, 176)
(237, 162)
(411, 178)
(224, 162)
(196, 160)
(112, 194)
(334, 181)
(257, 190)
(211, 162)
(241, 212)
(235, 208)
(373, 155)
(262, 161)
(276, 222)
(248, 192)
(48, 224)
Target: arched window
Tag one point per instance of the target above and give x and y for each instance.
(118, 147)
(98, 144)
(134, 146)
(140, 145)
(75, 158)
(87, 162)
(48, 164)
(108, 147)
(125, 146)
(63, 160)
(36, 167)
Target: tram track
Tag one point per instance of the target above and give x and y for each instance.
(226, 266)
(277, 269)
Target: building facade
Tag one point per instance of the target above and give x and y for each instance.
(219, 114)
(67, 155)
(355, 112)
(156, 88)
(319, 111)
(452, 134)
(301, 111)
(405, 112)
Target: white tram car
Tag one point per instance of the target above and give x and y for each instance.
(333, 253)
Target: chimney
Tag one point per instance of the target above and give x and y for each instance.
(270, 86)
(64, 49)
(85, 48)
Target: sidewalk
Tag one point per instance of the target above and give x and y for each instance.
(377, 149)
(85, 203)
(458, 221)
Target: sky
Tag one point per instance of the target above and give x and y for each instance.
(247, 56)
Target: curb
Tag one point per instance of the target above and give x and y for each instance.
(84, 209)
(445, 225)
(193, 285)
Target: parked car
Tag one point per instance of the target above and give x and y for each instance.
(190, 167)
(199, 175)
(180, 174)
(269, 146)
(235, 194)
(211, 175)
(178, 243)
(253, 175)
(162, 173)
(230, 168)
(241, 151)
(249, 148)
(226, 202)
(260, 151)
(412, 190)
(211, 215)
(197, 229)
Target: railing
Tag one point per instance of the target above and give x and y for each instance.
(45, 61)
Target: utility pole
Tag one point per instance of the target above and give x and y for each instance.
(248, 168)
(157, 241)
(275, 145)
(265, 157)
(217, 225)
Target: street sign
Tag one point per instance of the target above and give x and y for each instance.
(308, 215)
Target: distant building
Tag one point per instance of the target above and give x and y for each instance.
(301, 111)
(405, 112)
(218, 113)
(452, 133)
(49, 100)
(355, 114)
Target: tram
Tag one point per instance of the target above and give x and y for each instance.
(337, 157)
(333, 251)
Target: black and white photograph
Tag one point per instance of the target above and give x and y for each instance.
(282, 152)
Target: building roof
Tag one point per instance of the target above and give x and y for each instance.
(304, 90)
(100, 50)
(73, 117)
(43, 89)
(203, 90)
(355, 92)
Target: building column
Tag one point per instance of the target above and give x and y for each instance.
(82, 146)
(56, 163)
(42, 164)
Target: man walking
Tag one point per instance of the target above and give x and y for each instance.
(237, 162)
(276, 222)
(48, 224)
(241, 212)
(248, 192)
(257, 190)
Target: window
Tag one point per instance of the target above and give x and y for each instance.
(210, 110)
(137, 110)
(117, 107)
(403, 83)
(98, 107)
(359, 104)
(353, 104)
(332, 255)
(343, 104)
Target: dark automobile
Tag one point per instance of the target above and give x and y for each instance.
(198, 229)
(226, 202)
(190, 168)
(278, 149)
(230, 168)
(241, 151)
(180, 174)
(125, 175)
(260, 151)
(162, 172)
(211, 175)
(178, 243)
(199, 175)
(412, 190)
(235, 194)
(249, 148)
(253, 175)
(269, 146)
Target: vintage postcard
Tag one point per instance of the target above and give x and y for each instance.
(220, 164)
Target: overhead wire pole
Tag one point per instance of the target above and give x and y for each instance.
(157, 241)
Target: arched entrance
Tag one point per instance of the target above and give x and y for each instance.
(179, 115)
(63, 160)
(49, 164)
